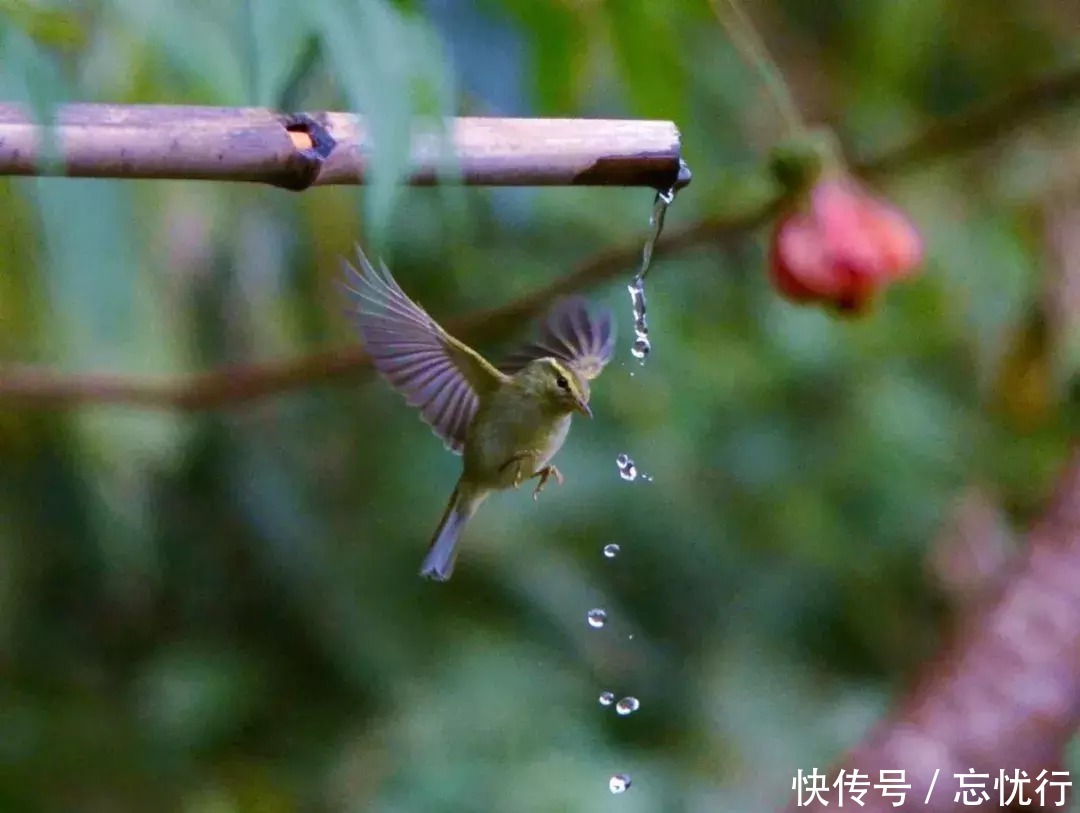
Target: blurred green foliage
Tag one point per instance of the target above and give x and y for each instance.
(219, 612)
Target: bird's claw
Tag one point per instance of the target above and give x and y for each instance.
(546, 473)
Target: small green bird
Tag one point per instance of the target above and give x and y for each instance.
(507, 424)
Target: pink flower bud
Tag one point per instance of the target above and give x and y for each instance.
(841, 246)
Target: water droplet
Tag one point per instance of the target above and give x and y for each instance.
(641, 346)
(611, 551)
(607, 698)
(628, 705)
(597, 617)
(682, 179)
(618, 783)
(627, 469)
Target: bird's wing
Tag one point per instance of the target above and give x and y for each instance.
(573, 333)
(435, 372)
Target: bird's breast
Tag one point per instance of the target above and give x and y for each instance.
(508, 426)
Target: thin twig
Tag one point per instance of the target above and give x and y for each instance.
(36, 388)
(751, 47)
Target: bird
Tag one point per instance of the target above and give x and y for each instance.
(506, 422)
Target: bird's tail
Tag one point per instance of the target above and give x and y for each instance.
(439, 563)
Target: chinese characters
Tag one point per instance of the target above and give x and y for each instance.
(971, 789)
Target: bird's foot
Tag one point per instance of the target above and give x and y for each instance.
(544, 474)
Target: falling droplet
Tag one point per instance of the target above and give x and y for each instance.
(618, 783)
(627, 469)
(642, 345)
(611, 551)
(596, 617)
(607, 698)
(628, 705)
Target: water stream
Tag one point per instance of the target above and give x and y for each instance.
(664, 198)
(620, 782)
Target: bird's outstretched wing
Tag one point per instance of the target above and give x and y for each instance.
(435, 372)
(571, 332)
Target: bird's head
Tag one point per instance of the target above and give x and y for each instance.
(557, 385)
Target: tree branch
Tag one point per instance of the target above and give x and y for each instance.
(37, 388)
(980, 124)
(1004, 693)
(298, 151)
(32, 387)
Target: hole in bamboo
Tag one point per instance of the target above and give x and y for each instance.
(301, 140)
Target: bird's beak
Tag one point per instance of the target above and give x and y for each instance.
(583, 408)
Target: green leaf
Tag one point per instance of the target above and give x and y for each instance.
(558, 40)
(276, 35)
(48, 26)
(32, 78)
(197, 39)
(390, 68)
(87, 256)
(649, 54)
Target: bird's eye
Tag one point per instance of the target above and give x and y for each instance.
(562, 382)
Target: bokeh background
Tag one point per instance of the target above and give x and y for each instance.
(219, 611)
